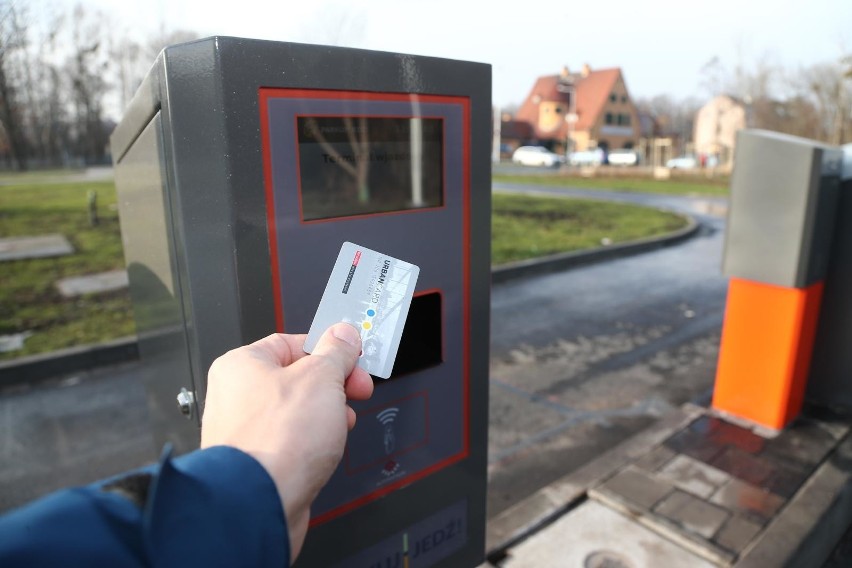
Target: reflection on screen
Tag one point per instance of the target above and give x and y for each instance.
(362, 165)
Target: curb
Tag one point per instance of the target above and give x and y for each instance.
(564, 261)
(26, 370)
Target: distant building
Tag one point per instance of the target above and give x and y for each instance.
(589, 109)
(716, 126)
(513, 134)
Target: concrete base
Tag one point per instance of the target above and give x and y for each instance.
(594, 535)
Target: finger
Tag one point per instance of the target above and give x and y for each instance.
(351, 417)
(359, 385)
(340, 347)
(283, 348)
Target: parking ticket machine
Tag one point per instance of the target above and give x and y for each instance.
(241, 168)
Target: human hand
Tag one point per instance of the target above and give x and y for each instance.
(288, 410)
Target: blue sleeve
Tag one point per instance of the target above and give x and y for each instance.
(213, 507)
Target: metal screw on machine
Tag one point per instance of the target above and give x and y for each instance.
(186, 402)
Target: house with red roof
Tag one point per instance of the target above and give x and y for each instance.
(584, 110)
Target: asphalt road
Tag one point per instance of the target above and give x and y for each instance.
(580, 361)
(583, 359)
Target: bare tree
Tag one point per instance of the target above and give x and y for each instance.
(675, 118)
(829, 88)
(87, 69)
(12, 41)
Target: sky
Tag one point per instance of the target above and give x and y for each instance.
(660, 45)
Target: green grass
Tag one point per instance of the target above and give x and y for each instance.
(529, 226)
(674, 186)
(28, 297)
(524, 227)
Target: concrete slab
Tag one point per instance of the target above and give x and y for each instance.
(593, 535)
(693, 476)
(42, 246)
(692, 513)
(93, 283)
(638, 487)
(748, 500)
(737, 533)
(14, 341)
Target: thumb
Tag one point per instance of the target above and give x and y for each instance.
(340, 347)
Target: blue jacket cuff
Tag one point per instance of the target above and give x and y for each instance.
(215, 507)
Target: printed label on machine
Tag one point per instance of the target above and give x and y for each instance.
(372, 291)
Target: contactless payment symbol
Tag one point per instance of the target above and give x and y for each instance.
(387, 417)
(371, 291)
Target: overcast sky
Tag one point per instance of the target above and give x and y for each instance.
(661, 45)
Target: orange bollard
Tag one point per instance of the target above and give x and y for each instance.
(767, 342)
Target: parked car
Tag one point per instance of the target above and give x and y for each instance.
(684, 162)
(536, 156)
(587, 158)
(623, 157)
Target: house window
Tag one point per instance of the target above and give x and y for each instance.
(625, 119)
(608, 118)
(624, 98)
(558, 110)
(613, 97)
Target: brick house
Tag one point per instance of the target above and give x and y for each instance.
(591, 108)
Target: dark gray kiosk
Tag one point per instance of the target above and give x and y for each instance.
(241, 167)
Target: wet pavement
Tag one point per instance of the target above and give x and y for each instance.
(72, 431)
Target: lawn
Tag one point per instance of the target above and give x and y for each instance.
(526, 226)
(29, 301)
(675, 186)
(523, 227)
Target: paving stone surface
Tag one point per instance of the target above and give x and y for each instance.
(743, 465)
(92, 283)
(786, 480)
(693, 476)
(695, 445)
(42, 246)
(692, 513)
(714, 486)
(804, 442)
(655, 459)
(748, 500)
(723, 433)
(736, 534)
(638, 487)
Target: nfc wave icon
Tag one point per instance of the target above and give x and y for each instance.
(387, 418)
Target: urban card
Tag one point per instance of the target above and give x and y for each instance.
(372, 291)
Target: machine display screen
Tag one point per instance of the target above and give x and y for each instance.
(364, 165)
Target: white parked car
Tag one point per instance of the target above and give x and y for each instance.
(623, 158)
(683, 163)
(536, 156)
(586, 158)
